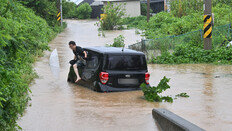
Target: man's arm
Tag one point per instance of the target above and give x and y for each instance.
(75, 57)
(85, 54)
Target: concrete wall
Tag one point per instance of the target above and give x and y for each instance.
(132, 7)
(169, 121)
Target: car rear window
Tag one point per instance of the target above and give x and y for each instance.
(126, 62)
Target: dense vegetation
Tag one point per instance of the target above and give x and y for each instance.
(69, 9)
(187, 16)
(193, 52)
(135, 22)
(188, 53)
(165, 24)
(47, 9)
(23, 37)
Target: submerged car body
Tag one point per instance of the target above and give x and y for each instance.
(112, 69)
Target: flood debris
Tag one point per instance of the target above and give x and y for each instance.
(54, 63)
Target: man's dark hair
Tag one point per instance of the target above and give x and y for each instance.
(72, 43)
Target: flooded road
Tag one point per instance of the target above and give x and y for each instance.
(59, 105)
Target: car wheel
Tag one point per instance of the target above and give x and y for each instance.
(96, 87)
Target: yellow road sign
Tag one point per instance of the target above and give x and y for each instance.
(58, 16)
(58, 19)
(207, 26)
(207, 18)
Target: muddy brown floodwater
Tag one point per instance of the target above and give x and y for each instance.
(59, 105)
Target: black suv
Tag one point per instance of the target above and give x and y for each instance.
(112, 69)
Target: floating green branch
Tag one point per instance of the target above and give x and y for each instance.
(182, 95)
(151, 93)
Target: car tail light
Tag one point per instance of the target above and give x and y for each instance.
(147, 77)
(104, 77)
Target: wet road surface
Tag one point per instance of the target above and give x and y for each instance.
(59, 105)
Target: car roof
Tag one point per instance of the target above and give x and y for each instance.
(113, 50)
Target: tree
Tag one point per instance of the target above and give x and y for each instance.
(46, 9)
(84, 11)
(113, 16)
(69, 9)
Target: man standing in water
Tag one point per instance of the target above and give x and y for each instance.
(79, 53)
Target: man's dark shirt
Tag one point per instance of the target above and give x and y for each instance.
(79, 51)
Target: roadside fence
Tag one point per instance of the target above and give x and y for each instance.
(154, 47)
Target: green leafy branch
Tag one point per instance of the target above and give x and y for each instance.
(152, 93)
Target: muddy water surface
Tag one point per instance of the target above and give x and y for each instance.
(58, 105)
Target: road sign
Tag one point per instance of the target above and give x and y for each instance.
(207, 26)
(58, 16)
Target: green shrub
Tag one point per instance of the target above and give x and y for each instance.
(118, 41)
(225, 2)
(181, 8)
(113, 16)
(222, 14)
(193, 54)
(136, 22)
(84, 11)
(23, 36)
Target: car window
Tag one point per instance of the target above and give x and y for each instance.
(92, 63)
(126, 62)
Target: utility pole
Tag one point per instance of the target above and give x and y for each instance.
(207, 24)
(148, 10)
(60, 13)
